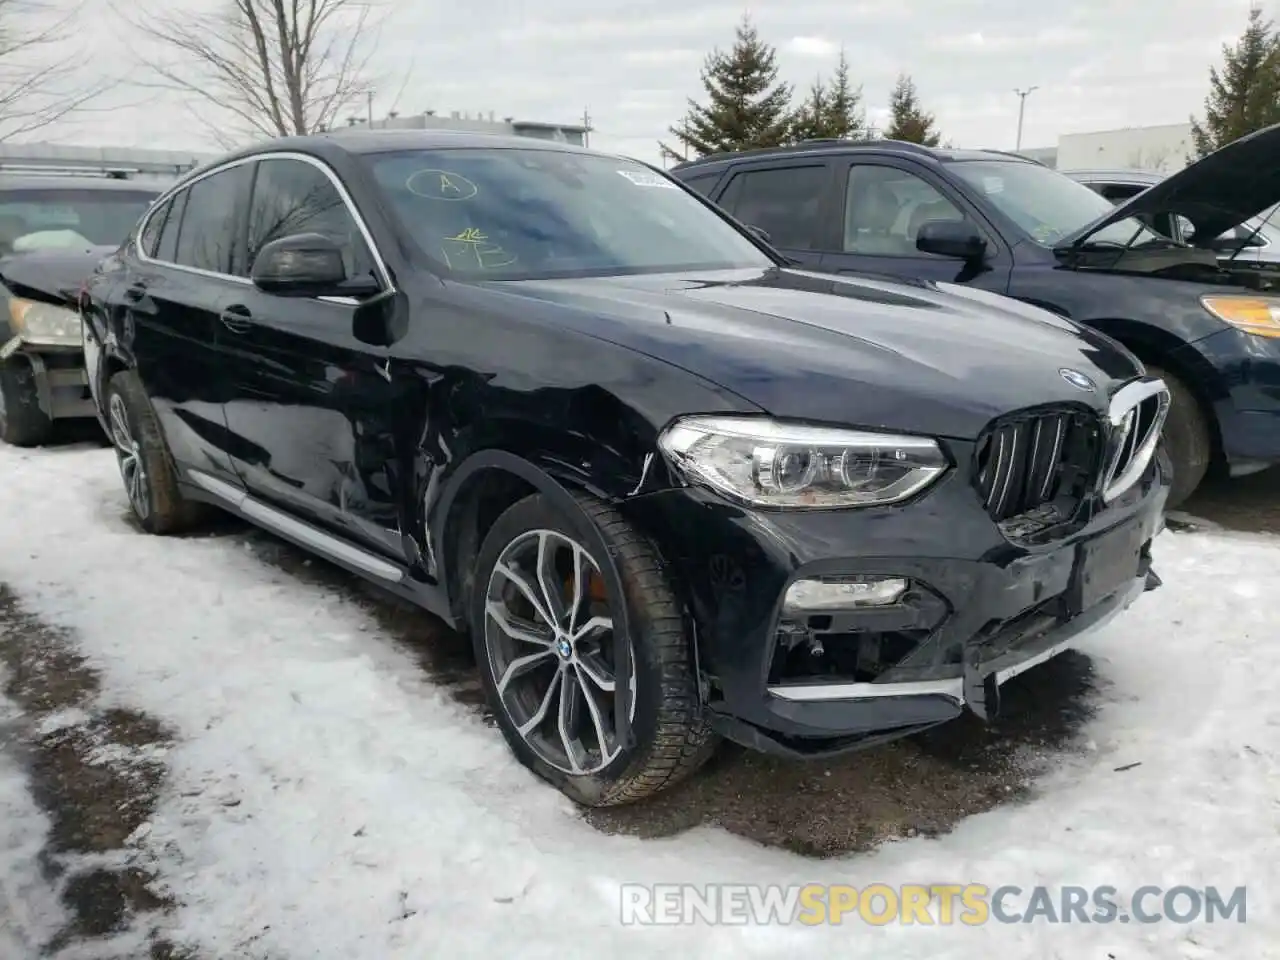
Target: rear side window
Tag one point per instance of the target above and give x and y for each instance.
(785, 202)
(704, 183)
(167, 248)
(207, 240)
(149, 239)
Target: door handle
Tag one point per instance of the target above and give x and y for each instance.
(237, 319)
(135, 292)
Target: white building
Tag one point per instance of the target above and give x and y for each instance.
(562, 132)
(1161, 149)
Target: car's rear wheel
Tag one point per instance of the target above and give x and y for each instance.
(146, 468)
(1187, 438)
(543, 615)
(22, 422)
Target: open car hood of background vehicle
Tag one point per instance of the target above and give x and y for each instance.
(1217, 193)
(52, 274)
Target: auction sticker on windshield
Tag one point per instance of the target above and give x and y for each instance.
(642, 178)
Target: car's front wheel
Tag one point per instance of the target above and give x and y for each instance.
(544, 611)
(1187, 438)
(145, 465)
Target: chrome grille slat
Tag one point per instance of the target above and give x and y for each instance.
(1023, 463)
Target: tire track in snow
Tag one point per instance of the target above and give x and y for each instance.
(95, 771)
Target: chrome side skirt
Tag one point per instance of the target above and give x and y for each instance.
(294, 530)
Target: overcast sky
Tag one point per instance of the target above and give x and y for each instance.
(1098, 64)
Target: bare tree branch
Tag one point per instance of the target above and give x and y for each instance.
(261, 68)
(40, 84)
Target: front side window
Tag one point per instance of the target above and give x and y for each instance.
(885, 208)
(784, 202)
(507, 214)
(52, 218)
(1048, 205)
(207, 236)
(291, 197)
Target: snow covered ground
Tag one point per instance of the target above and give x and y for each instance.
(30, 912)
(324, 800)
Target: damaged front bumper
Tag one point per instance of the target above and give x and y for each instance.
(975, 612)
(58, 371)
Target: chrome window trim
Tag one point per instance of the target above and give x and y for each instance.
(384, 275)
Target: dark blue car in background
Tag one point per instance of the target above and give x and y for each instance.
(1208, 326)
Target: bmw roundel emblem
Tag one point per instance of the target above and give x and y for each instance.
(1077, 379)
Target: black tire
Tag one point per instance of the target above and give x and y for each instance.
(22, 422)
(671, 734)
(1187, 438)
(161, 509)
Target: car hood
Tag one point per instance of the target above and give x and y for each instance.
(924, 358)
(56, 274)
(1219, 192)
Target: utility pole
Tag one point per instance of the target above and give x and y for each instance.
(586, 127)
(370, 106)
(1022, 109)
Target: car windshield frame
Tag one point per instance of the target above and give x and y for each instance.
(484, 213)
(1039, 192)
(91, 207)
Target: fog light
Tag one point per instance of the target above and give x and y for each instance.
(834, 593)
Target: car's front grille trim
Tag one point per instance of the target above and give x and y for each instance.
(1137, 413)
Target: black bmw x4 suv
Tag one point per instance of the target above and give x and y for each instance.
(672, 489)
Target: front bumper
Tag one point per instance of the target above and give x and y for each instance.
(980, 609)
(62, 385)
(1246, 393)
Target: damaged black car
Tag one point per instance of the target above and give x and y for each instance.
(53, 230)
(673, 489)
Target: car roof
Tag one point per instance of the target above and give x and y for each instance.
(35, 182)
(809, 148)
(360, 141)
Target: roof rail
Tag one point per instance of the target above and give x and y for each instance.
(57, 167)
(1013, 153)
(813, 143)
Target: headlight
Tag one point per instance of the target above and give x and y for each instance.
(1257, 315)
(771, 464)
(43, 324)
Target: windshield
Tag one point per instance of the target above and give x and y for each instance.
(43, 219)
(515, 214)
(1046, 204)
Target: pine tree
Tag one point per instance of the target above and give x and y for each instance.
(907, 118)
(747, 106)
(846, 117)
(810, 120)
(1245, 95)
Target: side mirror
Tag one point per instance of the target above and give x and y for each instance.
(760, 234)
(301, 265)
(951, 238)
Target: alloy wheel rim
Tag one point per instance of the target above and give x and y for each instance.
(550, 643)
(129, 458)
